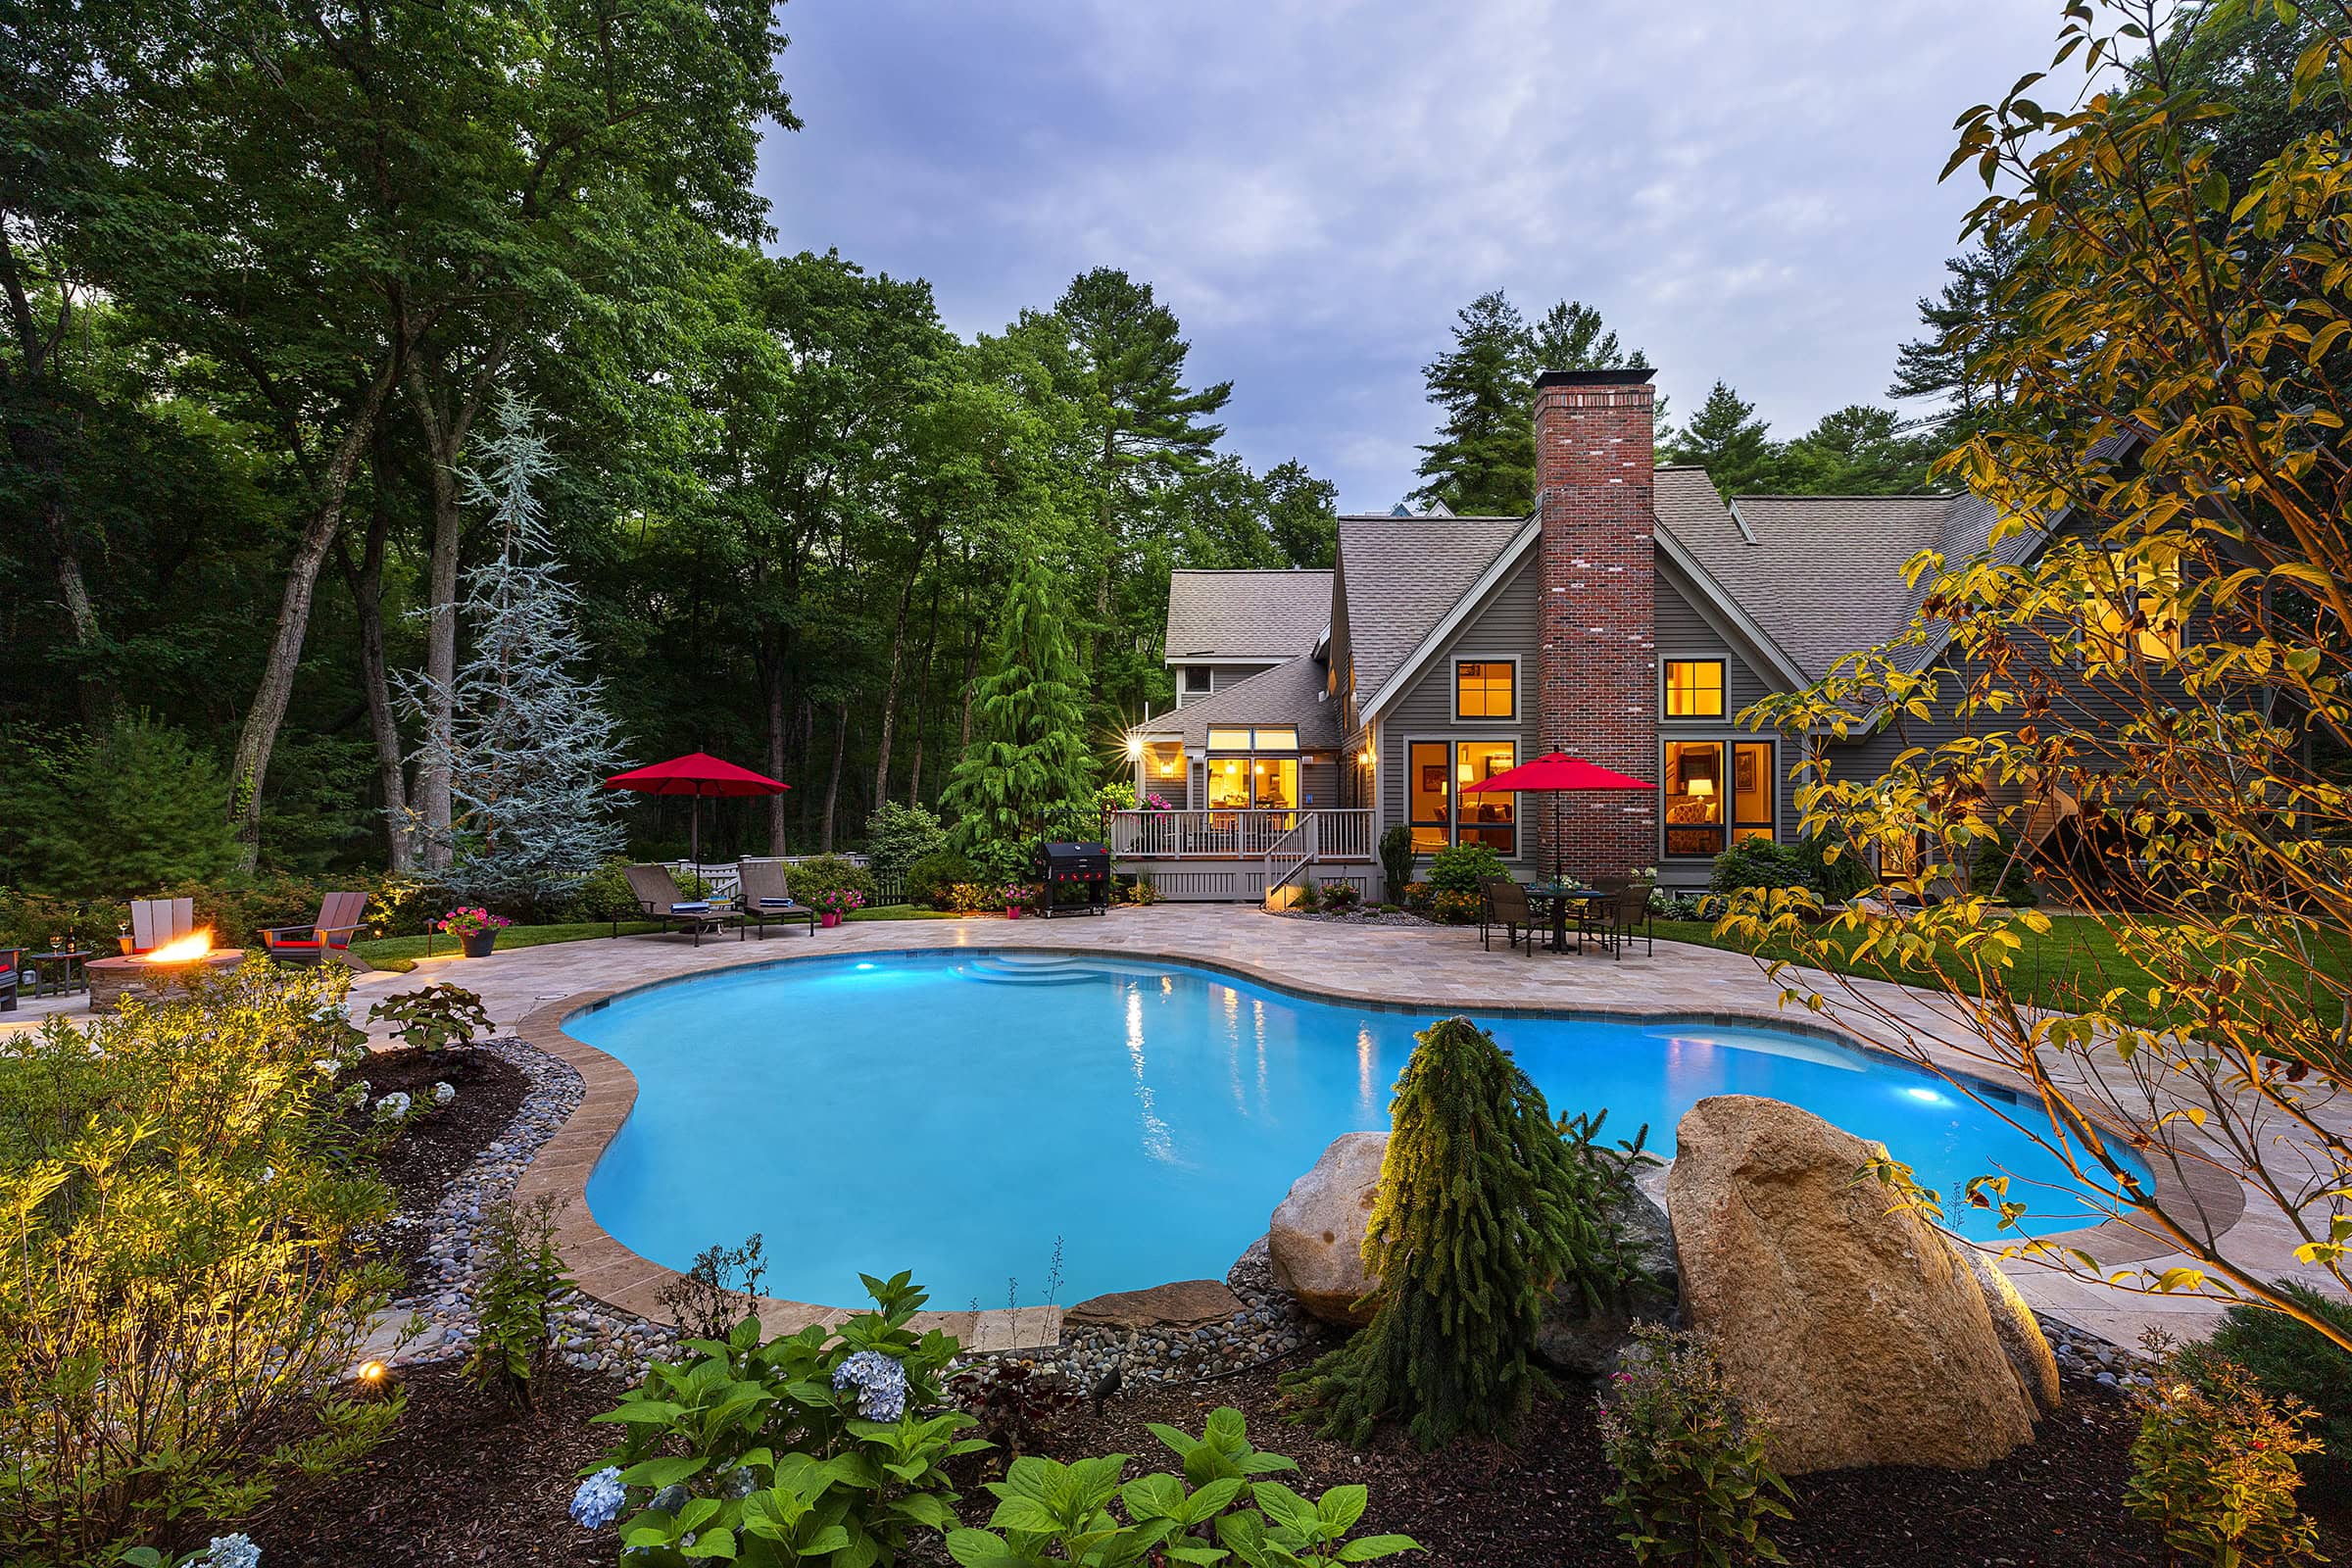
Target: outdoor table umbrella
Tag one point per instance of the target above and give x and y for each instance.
(1556, 773)
(696, 773)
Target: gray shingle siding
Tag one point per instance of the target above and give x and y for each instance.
(1503, 626)
(1685, 633)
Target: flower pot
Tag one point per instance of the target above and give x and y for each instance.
(829, 918)
(1013, 911)
(478, 944)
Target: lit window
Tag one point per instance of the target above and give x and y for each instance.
(2131, 612)
(1436, 772)
(1228, 739)
(1695, 688)
(1277, 740)
(1701, 803)
(1485, 689)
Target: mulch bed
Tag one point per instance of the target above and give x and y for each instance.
(439, 1141)
(460, 1481)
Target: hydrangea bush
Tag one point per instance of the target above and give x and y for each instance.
(811, 1446)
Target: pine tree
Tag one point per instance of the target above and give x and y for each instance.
(1483, 463)
(1974, 313)
(1028, 750)
(529, 743)
(1857, 450)
(1301, 510)
(1571, 336)
(1735, 447)
(1483, 1207)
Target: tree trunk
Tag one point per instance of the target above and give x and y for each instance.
(771, 680)
(250, 766)
(33, 442)
(445, 432)
(890, 686)
(841, 744)
(922, 700)
(366, 580)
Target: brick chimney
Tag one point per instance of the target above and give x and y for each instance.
(1598, 695)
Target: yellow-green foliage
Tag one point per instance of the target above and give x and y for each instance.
(2214, 1465)
(183, 1217)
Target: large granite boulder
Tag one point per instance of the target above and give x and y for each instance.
(1575, 1336)
(1850, 1327)
(2030, 1359)
(1316, 1239)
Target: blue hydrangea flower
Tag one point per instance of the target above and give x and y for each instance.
(232, 1551)
(600, 1498)
(670, 1498)
(880, 1381)
(737, 1483)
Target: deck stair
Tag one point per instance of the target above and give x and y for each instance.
(1290, 861)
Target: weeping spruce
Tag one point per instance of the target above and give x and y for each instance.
(1483, 1205)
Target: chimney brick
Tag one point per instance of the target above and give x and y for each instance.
(1597, 691)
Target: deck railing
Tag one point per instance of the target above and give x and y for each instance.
(1230, 835)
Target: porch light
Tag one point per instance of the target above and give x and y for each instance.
(1366, 757)
(1135, 747)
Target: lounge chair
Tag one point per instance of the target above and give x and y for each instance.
(156, 921)
(339, 916)
(657, 900)
(1505, 905)
(12, 964)
(766, 895)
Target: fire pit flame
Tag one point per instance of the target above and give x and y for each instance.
(188, 950)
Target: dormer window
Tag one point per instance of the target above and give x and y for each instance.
(1196, 678)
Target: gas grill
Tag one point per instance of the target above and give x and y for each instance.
(1086, 865)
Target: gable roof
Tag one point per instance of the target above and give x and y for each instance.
(1290, 693)
(1245, 614)
(1405, 576)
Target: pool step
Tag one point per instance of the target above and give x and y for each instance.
(1033, 970)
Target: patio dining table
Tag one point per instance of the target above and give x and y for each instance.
(1559, 896)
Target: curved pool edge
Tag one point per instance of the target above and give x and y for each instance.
(601, 1267)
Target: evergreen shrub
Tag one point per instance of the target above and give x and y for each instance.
(1460, 868)
(2294, 1361)
(1484, 1209)
(931, 880)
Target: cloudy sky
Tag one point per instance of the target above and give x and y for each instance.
(1747, 190)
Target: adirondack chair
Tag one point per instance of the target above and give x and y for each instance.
(156, 921)
(339, 916)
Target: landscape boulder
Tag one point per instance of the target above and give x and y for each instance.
(1575, 1336)
(1315, 1243)
(1847, 1325)
(2031, 1358)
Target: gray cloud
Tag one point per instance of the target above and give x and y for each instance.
(1746, 191)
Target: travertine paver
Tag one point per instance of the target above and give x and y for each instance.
(1439, 968)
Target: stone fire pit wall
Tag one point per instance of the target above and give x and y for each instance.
(112, 980)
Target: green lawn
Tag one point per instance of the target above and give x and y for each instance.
(2078, 960)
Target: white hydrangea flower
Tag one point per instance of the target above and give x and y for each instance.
(327, 1067)
(394, 1105)
(443, 1094)
(232, 1551)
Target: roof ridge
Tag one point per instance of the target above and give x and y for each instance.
(1850, 495)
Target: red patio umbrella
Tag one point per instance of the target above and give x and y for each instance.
(696, 773)
(1556, 773)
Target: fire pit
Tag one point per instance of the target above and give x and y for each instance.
(155, 976)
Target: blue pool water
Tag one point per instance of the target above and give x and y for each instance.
(956, 1113)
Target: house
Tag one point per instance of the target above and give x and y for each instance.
(1628, 621)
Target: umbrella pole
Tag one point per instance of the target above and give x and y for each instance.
(693, 829)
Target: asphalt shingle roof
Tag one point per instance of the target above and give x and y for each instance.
(1404, 574)
(1286, 694)
(1246, 615)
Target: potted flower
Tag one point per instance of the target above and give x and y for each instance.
(477, 930)
(1016, 899)
(835, 903)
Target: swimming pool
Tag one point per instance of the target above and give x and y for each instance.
(973, 1115)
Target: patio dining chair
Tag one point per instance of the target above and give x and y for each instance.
(11, 967)
(765, 890)
(156, 921)
(1628, 914)
(657, 899)
(339, 916)
(1504, 902)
